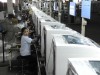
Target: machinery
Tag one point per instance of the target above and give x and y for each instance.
(83, 66)
(43, 21)
(41, 26)
(34, 9)
(58, 43)
(38, 16)
(66, 46)
(47, 36)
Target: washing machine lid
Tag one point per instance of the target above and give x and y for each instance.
(96, 66)
(84, 67)
(57, 26)
(71, 39)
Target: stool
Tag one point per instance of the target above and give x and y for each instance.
(23, 65)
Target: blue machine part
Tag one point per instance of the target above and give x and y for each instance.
(72, 9)
(86, 9)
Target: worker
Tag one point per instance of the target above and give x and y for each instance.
(26, 42)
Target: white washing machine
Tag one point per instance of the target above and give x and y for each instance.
(41, 26)
(47, 36)
(68, 46)
(83, 66)
(44, 20)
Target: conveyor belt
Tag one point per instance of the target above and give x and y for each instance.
(39, 70)
(40, 62)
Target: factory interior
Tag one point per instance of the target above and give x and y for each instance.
(49, 37)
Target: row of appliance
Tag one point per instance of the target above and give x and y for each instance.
(59, 43)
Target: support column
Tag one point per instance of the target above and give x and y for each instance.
(84, 23)
(47, 7)
(37, 3)
(21, 4)
(17, 2)
(17, 5)
(10, 6)
(27, 1)
(40, 4)
(50, 7)
(59, 10)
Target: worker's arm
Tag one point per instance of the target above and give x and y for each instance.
(35, 39)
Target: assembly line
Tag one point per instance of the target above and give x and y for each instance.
(58, 43)
(44, 45)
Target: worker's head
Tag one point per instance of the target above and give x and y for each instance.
(25, 31)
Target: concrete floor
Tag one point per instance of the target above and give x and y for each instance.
(5, 71)
(15, 70)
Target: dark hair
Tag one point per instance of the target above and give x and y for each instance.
(10, 16)
(22, 30)
(26, 19)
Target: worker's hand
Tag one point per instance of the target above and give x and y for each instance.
(38, 36)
